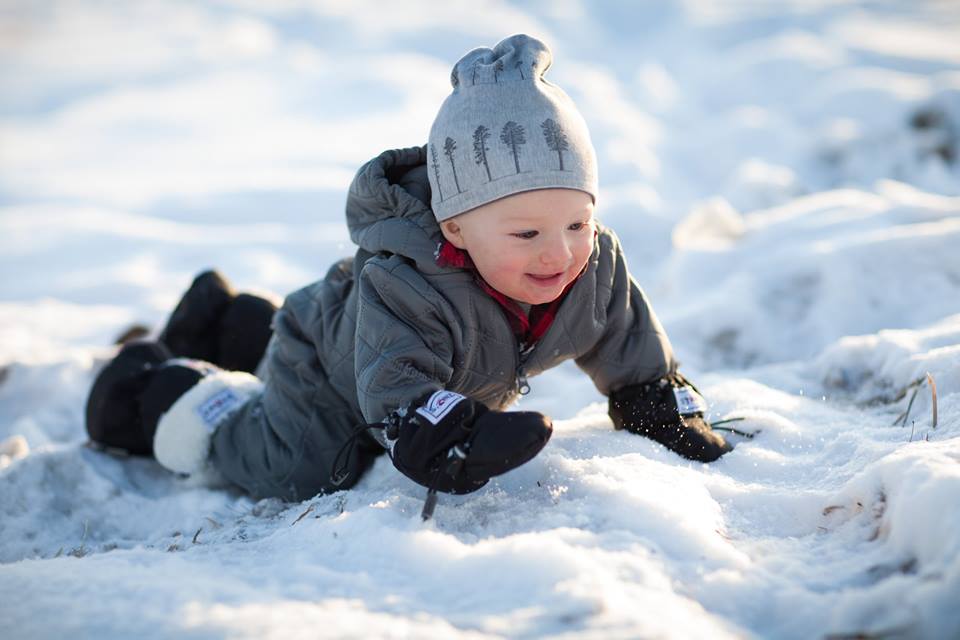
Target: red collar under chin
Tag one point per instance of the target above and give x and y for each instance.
(527, 329)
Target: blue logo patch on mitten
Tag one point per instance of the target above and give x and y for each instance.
(689, 401)
(439, 405)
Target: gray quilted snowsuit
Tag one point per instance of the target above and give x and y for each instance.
(389, 325)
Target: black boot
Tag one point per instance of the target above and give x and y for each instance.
(193, 329)
(670, 411)
(215, 324)
(131, 393)
(244, 333)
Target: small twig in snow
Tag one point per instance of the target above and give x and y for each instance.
(893, 632)
(302, 515)
(933, 392)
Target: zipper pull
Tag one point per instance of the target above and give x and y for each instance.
(523, 388)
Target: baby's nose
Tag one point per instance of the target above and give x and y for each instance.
(556, 253)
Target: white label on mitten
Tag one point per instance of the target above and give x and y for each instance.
(216, 407)
(689, 401)
(439, 405)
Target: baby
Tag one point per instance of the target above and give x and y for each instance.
(480, 264)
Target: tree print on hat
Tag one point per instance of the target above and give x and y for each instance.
(513, 136)
(449, 146)
(497, 68)
(519, 65)
(480, 136)
(555, 137)
(436, 169)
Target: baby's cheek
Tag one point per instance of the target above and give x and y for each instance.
(513, 274)
(506, 273)
(585, 249)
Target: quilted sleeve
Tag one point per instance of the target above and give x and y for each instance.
(633, 347)
(405, 337)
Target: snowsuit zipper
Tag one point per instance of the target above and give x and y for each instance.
(523, 353)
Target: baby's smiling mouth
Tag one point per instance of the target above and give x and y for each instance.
(547, 279)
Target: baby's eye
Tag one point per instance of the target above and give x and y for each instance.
(527, 235)
(577, 226)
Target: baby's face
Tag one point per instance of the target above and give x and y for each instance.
(528, 246)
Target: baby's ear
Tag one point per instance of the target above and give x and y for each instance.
(453, 232)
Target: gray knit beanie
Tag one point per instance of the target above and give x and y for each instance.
(506, 129)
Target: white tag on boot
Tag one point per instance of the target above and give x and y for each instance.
(439, 405)
(215, 408)
(689, 401)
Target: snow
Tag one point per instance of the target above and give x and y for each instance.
(785, 179)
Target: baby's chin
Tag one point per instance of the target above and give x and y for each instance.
(537, 300)
(540, 292)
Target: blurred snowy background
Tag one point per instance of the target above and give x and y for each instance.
(785, 178)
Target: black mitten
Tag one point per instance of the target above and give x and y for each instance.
(448, 442)
(670, 411)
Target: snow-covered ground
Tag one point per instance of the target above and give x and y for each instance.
(784, 176)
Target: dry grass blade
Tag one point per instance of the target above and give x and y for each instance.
(746, 434)
(915, 385)
(902, 418)
(933, 392)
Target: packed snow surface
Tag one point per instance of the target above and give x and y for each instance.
(785, 178)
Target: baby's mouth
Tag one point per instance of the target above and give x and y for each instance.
(546, 279)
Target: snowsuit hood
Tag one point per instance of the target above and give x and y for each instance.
(388, 207)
